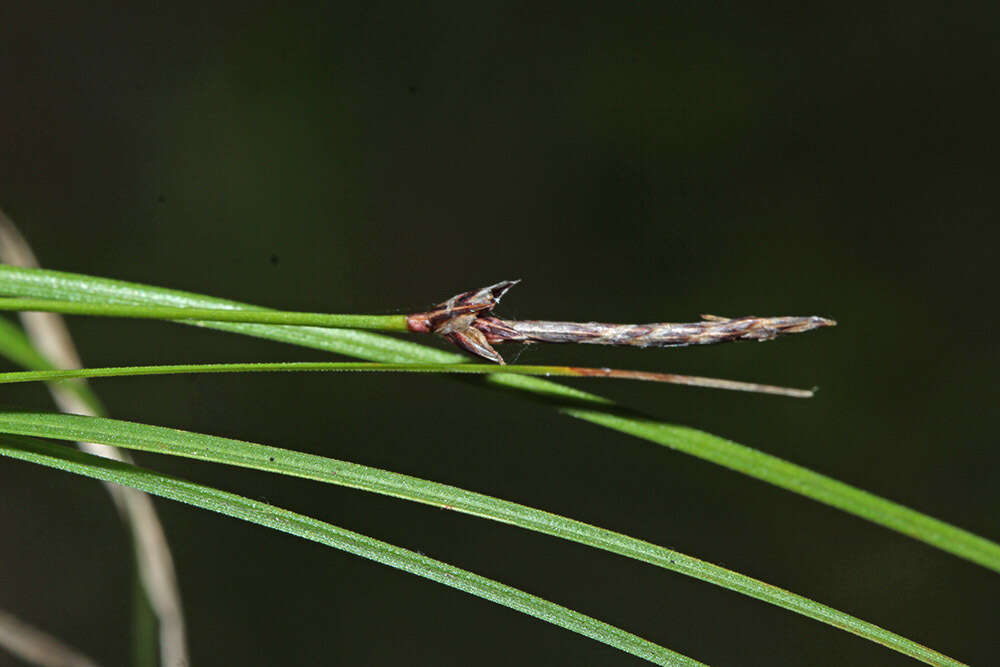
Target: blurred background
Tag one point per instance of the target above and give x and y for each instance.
(629, 163)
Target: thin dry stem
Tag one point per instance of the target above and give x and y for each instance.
(50, 336)
(36, 647)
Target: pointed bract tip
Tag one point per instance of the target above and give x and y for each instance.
(499, 289)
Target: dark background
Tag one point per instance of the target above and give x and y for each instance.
(629, 163)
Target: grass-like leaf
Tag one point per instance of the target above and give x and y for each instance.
(333, 366)
(44, 284)
(231, 504)
(250, 455)
(14, 345)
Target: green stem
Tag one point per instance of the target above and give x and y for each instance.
(289, 366)
(373, 322)
(48, 375)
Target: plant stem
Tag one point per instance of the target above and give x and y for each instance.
(373, 322)
(351, 366)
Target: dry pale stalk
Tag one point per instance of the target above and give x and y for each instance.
(49, 334)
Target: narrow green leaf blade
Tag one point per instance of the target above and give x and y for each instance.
(15, 345)
(298, 464)
(252, 511)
